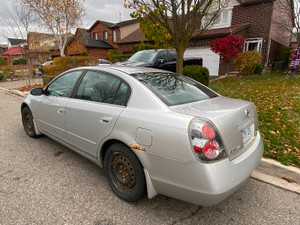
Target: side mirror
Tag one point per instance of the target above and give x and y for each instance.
(37, 91)
(161, 61)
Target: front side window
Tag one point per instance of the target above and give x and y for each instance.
(101, 87)
(174, 89)
(64, 85)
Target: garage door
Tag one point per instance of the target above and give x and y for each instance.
(211, 60)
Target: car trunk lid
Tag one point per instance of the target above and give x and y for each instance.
(236, 120)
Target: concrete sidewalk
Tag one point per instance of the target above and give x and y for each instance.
(269, 171)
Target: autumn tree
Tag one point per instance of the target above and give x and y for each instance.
(176, 20)
(228, 47)
(58, 16)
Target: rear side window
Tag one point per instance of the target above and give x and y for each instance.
(175, 89)
(101, 87)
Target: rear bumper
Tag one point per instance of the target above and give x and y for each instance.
(209, 184)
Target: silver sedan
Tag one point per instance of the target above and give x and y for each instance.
(153, 132)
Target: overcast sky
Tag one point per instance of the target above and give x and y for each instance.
(107, 10)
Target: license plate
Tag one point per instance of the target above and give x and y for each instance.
(246, 134)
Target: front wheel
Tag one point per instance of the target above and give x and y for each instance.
(124, 173)
(28, 124)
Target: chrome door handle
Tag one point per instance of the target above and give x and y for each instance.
(106, 119)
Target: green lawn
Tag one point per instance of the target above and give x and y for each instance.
(277, 99)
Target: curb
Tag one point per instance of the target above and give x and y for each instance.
(273, 172)
(268, 170)
(14, 92)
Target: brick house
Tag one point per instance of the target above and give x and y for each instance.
(39, 45)
(82, 41)
(102, 36)
(251, 19)
(15, 52)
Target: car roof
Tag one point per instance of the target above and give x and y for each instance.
(125, 69)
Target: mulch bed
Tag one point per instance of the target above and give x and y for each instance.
(29, 87)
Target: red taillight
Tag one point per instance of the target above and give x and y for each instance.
(208, 132)
(205, 140)
(198, 149)
(211, 149)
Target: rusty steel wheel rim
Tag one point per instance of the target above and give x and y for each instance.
(122, 172)
(28, 122)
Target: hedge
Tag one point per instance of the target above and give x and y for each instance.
(198, 73)
(62, 64)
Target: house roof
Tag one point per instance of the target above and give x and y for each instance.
(252, 2)
(136, 36)
(113, 25)
(96, 43)
(14, 50)
(15, 41)
(220, 32)
(84, 32)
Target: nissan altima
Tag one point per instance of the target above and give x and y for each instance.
(154, 132)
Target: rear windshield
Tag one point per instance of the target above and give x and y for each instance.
(174, 89)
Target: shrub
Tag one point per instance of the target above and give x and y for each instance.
(198, 73)
(111, 53)
(2, 61)
(258, 69)
(19, 62)
(114, 56)
(7, 71)
(84, 53)
(283, 53)
(62, 64)
(51, 70)
(246, 62)
(2, 76)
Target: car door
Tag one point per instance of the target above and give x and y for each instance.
(94, 110)
(50, 113)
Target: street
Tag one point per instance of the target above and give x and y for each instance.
(42, 182)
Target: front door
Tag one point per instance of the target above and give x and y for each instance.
(94, 110)
(50, 116)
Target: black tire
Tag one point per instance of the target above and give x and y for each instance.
(27, 120)
(124, 173)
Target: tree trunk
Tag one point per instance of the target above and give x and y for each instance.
(179, 63)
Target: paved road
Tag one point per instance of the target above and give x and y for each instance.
(42, 182)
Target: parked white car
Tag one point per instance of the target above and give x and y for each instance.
(153, 131)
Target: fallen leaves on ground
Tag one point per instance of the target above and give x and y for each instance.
(277, 100)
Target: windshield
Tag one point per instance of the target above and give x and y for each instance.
(174, 89)
(143, 56)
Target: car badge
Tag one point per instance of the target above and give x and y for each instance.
(247, 113)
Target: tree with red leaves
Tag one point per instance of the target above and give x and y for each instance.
(228, 47)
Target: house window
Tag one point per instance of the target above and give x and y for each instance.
(95, 36)
(114, 35)
(222, 20)
(253, 44)
(104, 35)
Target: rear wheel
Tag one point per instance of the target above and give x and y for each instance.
(124, 173)
(28, 124)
